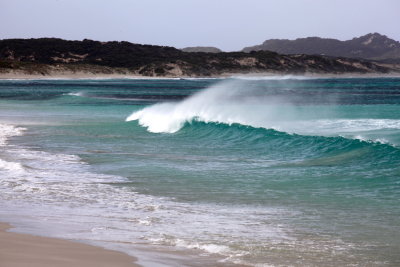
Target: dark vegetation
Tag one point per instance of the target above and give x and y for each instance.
(45, 54)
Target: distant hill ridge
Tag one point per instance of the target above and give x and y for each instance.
(204, 49)
(372, 46)
(46, 56)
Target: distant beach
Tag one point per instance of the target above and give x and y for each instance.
(93, 75)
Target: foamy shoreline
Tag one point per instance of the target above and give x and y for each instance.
(20, 250)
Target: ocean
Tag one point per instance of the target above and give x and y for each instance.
(274, 171)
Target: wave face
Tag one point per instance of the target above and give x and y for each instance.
(263, 105)
(277, 171)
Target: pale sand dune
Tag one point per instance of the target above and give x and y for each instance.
(21, 250)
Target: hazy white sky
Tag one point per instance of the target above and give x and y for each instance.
(227, 24)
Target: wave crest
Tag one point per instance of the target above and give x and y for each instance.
(222, 103)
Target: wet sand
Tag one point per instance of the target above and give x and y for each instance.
(22, 250)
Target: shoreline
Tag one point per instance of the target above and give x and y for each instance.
(20, 250)
(100, 76)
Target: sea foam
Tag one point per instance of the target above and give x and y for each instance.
(7, 131)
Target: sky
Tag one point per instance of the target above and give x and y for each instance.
(227, 24)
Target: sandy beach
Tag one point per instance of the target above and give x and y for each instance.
(21, 250)
(67, 75)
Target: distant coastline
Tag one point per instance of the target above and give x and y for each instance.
(109, 73)
(50, 58)
(88, 75)
(49, 71)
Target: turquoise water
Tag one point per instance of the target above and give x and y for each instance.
(261, 172)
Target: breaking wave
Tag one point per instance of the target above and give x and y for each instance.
(237, 102)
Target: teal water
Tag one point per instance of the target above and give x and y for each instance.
(261, 172)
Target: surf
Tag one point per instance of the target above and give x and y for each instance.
(259, 104)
